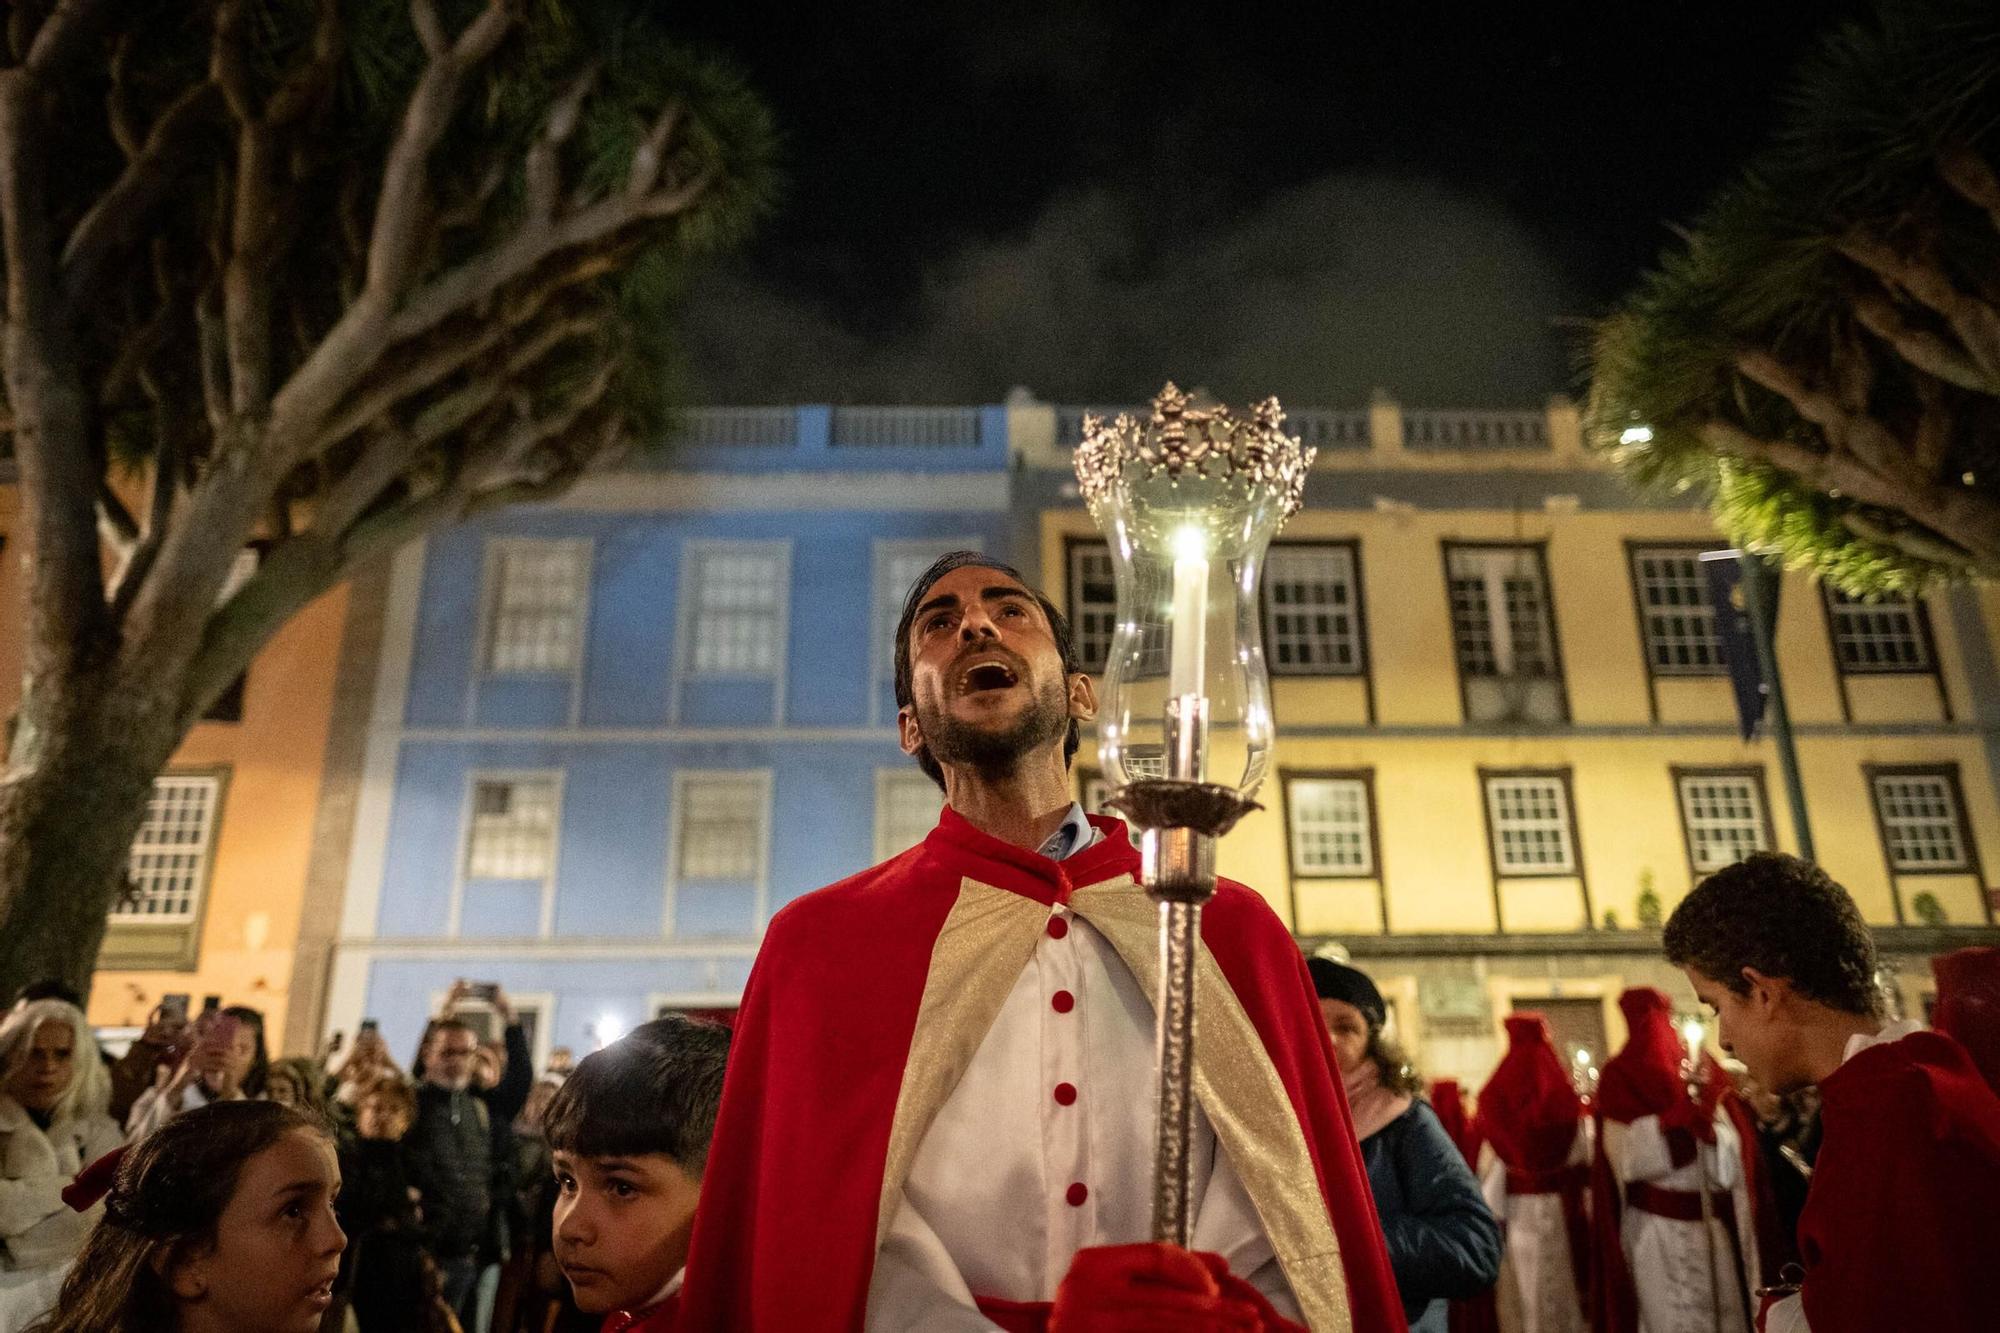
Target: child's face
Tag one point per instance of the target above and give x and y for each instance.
(277, 1246)
(622, 1226)
(381, 1117)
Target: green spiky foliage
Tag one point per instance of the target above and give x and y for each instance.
(1821, 355)
(317, 277)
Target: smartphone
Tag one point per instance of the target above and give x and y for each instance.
(174, 1008)
(369, 1026)
(210, 1003)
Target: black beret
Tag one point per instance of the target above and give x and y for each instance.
(1337, 981)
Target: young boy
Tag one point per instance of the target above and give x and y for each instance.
(1899, 1228)
(629, 1133)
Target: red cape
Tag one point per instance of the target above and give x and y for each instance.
(1968, 1005)
(1530, 1111)
(785, 1236)
(1474, 1314)
(1901, 1226)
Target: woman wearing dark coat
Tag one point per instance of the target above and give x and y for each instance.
(1443, 1242)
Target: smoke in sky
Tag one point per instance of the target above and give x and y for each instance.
(1318, 294)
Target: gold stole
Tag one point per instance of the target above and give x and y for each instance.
(988, 938)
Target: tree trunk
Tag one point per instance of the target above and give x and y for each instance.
(73, 798)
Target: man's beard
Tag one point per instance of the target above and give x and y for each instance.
(992, 754)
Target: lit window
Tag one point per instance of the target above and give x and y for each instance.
(169, 860)
(1500, 612)
(513, 829)
(906, 810)
(736, 626)
(1529, 817)
(1724, 817)
(1921, 821)
(1311, 623)
(1674, 612)
(1329, 822)
(721, 828)
(1880, 635)
(1093, 603)
(535, 603)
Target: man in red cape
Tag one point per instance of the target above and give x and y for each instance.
(1900, 1227)
(938, 1113)
(1658, 1150)
(1536, 1174)
(1475, 1314)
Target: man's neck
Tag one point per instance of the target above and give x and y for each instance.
(1823, 1044)
(1022, 807)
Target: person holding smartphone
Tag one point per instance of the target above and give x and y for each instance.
(223, 1063)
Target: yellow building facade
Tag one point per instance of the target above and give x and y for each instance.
(220, 867)
(1506, 737)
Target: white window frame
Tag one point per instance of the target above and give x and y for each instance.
(1694, 824)
(888, 602)
(1347, 553)
(1848, 627)
(123, 913)
(492, 590)
(1697, 632)
(761, 885)
(1298, 823)
(694, 554)
(888, 781)
(1954, 819)
(462, 871)
(1564, 823)
(1077, 551)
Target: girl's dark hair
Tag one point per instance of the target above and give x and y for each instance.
(260, 1065)
(655, 1090)
(168, 1196)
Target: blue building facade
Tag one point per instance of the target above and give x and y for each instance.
(611, 736)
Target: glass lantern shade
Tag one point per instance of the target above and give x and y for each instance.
(1189, 504)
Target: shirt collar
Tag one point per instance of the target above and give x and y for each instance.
(1071, 837)
(1895, 1031)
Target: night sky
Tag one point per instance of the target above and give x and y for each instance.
(1311, 200)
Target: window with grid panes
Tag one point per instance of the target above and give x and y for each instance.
(513, 829)
(1921, 821)
(1531, 827)
(738, 596)
(535, 606)
(1724, 817)
(1880, 635)
(168, 864)
(721, 827)
(1499, 612)
(1328, 818)
(906, 810)
(1674, 612)
(898, 565)
(1093, 603)
(1311, 626)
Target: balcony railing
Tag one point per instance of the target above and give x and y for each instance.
(743, 427)
(906, 427)
(1069, 421)
(1475, 430)
(1329, 428)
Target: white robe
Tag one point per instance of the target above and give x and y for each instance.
(987, 1208)
(1537, 1291)
(1668, 1258)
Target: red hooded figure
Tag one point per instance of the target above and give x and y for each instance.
(1476, 1314)
(1536, 1170)
(1662, 1146)
(1968, 1005)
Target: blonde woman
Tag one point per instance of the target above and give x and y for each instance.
(53, 1094)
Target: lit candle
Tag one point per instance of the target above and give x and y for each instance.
(1691, 1033)
(1190, 613)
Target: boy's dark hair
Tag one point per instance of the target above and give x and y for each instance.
(655, 1090)
(1786, 918)
(900, 647)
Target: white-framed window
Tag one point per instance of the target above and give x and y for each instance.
(737, 601)
(1675, 614)
(898, 565)
(1330, 822)
(1093, 603)
(536, 593)
(168, 866)
(1529, 817)
(721, 826)
(1500, 611)
(1312, 621)
(907, 803)
(1723, 814)
(512, 830)
(1923, 823)
(1885, 634)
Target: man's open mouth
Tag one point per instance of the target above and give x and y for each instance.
(987, 675)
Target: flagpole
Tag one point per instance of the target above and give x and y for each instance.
(1757, 589)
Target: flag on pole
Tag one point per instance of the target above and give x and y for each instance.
(1736, 636)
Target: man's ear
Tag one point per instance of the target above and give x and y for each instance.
(1766, 992)
(908, 734)
(1082, 697)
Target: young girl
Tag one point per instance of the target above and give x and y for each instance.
(221, 1220)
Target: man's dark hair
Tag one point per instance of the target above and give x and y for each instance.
(945, 564)
(654, 1090)
(1786, 918)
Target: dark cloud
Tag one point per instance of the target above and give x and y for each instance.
(1317, 293)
